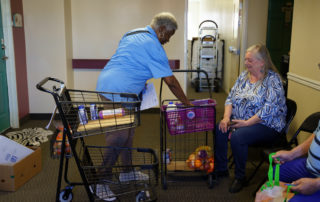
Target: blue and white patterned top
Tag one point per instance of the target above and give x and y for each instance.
(265, 99)
(313, 160)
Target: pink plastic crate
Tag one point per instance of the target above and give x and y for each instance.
(200, 117)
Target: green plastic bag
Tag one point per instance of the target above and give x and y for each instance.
(271, 189)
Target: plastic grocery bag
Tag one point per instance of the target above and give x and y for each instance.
(272, 190)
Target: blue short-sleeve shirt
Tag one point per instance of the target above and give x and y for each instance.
(138, 58)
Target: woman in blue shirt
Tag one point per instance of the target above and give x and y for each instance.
(255, 112)
(139, 57)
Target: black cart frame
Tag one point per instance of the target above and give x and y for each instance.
(90, 159)
(182, 135)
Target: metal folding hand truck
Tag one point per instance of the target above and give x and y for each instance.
(103, 182)
(209, 59)
(189, 129)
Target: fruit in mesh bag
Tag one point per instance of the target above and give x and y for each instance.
(191, 161)
(204, 152)
(198, 164)
(210, 165)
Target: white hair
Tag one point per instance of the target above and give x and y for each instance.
(164, 19)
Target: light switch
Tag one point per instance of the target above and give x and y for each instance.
(17, 20)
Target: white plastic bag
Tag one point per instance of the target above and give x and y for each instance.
(274, 194)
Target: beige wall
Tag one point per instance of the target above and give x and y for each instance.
(304, 74)
(69, 45)
(257, 22)
(57, 31)
(97, 28)
(45, 48)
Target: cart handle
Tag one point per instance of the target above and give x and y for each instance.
(186, 71)
(208, 21)
(45, 80)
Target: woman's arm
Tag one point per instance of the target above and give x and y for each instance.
(243, 123)
(274, 107)
(300, 150)
(303, 148)
(176, 89)
(223, 126)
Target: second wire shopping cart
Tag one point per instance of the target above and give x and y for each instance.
(189, 145)
(86, 113)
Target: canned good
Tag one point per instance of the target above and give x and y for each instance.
(83, 117)
(167, 156)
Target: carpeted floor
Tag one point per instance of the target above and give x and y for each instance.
(190, 186)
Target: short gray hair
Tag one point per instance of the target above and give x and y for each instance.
(164, 19)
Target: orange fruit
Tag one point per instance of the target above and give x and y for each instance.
(197, 163)
(192, 157)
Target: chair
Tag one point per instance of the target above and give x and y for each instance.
(281, 141)
(308, 125)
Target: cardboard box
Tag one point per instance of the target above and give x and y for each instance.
(14, 176)
(12, 152)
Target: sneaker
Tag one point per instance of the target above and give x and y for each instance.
(133, 175)
(103, 191)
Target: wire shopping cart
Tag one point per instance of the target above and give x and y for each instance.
(189, 129)
(101, 181)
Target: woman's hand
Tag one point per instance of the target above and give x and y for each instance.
(282, 156)
(306, 185)
(223, 126)
(239, 123)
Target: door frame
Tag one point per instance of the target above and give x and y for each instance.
(10, 63)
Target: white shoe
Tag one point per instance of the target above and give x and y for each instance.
(133, 175)
(103, 191)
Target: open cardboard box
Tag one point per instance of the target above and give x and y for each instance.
(14, 176)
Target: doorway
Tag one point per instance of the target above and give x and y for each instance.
(279, 33)
(4, 98)
(8, 49)
(229, 16)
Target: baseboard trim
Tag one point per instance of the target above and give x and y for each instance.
(304, 81)
(42, 116)
(24, 119)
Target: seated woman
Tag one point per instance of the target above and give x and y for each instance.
(255, 112)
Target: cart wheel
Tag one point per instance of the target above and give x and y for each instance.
(66, 195)
(141, 196)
